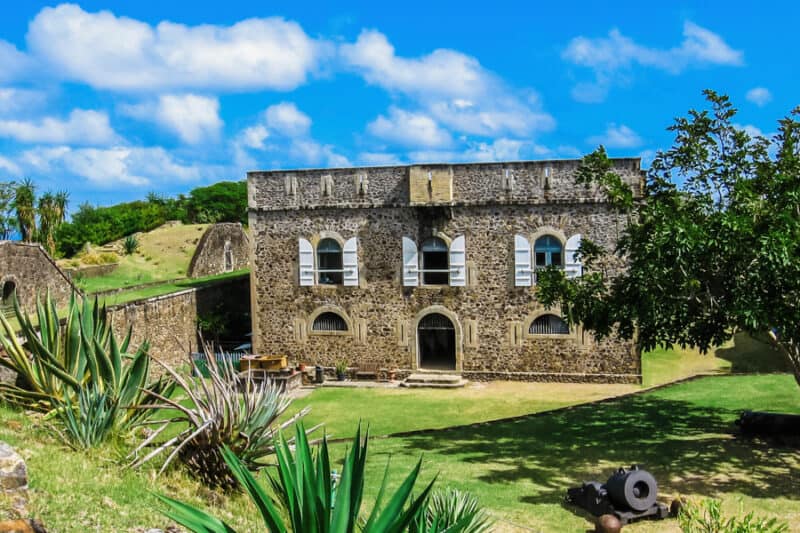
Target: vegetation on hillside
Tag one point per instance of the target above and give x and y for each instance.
(222, 202)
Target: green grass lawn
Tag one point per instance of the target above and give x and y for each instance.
(682, 434)
(519, 469)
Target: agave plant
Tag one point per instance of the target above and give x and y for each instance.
(130, 244)
(453, 510)
(88, 424)
(308, 499)
(226, 410)
(55, 362)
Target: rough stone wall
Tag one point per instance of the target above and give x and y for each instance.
(489, 313)
(209, 257)
(169, 322)
(33, 272)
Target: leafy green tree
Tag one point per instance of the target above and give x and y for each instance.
(24, 205)
(713, 249)
(8, 221)
(225, 201)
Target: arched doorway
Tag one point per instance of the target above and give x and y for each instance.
(7, 303)
(436, 338)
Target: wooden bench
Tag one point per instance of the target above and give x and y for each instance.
(370, 370)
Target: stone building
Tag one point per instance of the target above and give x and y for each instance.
(30, 271)
(223, 248)
(430, 267)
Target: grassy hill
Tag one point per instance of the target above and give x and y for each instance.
(163, 255)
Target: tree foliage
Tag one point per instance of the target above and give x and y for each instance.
(713, 249)
(221, 202)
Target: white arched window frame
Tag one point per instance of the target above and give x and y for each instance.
(543, 252)
(416, 272)
(339, 271)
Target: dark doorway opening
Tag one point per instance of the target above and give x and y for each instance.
(7, 303)
(436, 337)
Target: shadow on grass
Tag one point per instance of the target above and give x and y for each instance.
(753, 355)
(688, 448)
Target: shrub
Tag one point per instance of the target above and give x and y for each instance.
(69, 368)
(130, 244)
(707, 518)
(453, 508)
(227, 411)
(308, 498)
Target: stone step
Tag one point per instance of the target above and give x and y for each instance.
(434, 380)
(452, 385)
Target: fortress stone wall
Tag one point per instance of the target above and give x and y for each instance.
(478, 211)
(223, 248)
(30, 270)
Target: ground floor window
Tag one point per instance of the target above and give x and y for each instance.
(329, 322)
(549, 325)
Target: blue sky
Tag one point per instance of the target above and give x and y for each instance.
(112, 100)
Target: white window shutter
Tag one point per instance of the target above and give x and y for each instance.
(410, 263)
(306, 263)
(572, 265)
(350, 262)
(523, 268)
(458, 262)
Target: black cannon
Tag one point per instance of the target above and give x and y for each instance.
(628, 494)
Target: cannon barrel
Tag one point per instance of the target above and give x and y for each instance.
(633, 489)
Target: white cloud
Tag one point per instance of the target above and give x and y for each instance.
(193, 118)
(82, 127)
(9, 166)
(12, 62)
(285, 130)
(409, 129)
(121, 53)
(609, 56)
(13, 100)
(287, 120)
(254, 137)
(453, 88)
(110, 167)
(759, 96)
(617, 136)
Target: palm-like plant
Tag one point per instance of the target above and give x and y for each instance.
(130, 244)
(453, 510)
(230, 411)
(308, 499)
(24, 200)
(55, 362)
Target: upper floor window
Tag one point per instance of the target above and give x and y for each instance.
(547, 251)
(330, 264)
(548, 325)
(436, 261)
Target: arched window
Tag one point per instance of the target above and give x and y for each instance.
(548, 251)
(228, 256)
(329, 262)
(329, 321)
(435, 262)
(548, 325)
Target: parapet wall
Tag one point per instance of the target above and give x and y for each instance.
(169, 322)
(33, 272)
(524, 182)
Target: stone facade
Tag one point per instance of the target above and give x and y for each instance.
(31, 271)
(480, 206)
(169, 322)
(222, 248)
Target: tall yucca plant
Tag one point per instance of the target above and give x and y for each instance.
(56, 362)
(226, 410)
(308, 500)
